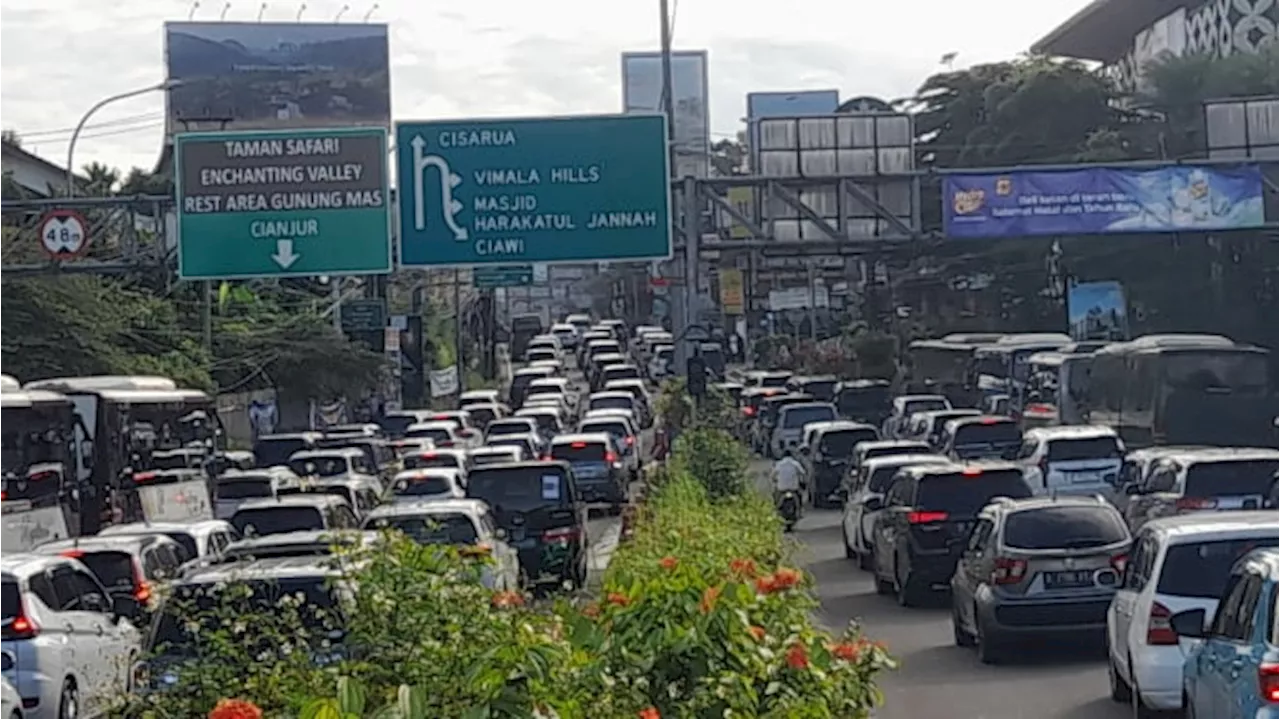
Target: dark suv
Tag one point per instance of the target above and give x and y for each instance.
(597, 466)
(1035, 568)
(538, 506)
(922, 525)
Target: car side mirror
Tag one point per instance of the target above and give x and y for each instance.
(1189, 623)
(125, 606)
(872, 504)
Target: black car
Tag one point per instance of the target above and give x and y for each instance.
(832, 454)
(923, 522)
(981, 437)
(865, 400)
(539, 507)
(597, 466)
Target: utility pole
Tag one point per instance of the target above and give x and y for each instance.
(207, 317)
(459, 361)
(668, 104)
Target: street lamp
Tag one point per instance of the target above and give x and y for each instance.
(71, 146)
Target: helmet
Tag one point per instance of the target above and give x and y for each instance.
(788, 453)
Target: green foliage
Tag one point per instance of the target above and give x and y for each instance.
(876, 354)
(678, 410)
(715, 458)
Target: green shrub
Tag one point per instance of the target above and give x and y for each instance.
(715, 459)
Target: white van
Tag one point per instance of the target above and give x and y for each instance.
(1071, 459)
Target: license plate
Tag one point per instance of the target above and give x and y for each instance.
(1083, 477)
(517, 534)
(588, 471)
(1064, 580)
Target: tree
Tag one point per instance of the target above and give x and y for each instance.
(729, 157)
(10, 137)
(100, 180)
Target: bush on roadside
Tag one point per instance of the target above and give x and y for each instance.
(678, 411)
(714, 458)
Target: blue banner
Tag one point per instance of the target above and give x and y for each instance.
(1103, 201)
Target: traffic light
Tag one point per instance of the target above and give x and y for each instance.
(697, 376)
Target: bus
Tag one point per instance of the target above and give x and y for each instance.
(1184, 390)
(1001, 368)
(39, 500)
(941, 366)
(122, 422)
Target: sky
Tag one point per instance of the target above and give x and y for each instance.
(496, 58)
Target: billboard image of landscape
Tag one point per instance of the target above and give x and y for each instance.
(270, 76)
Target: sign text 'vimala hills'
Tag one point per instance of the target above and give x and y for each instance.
(561, 189)
(286, 203)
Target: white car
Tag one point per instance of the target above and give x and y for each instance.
(1083, 460)
(200, 540)
(68, 646)
(1176, 564)
(870, 481)
(659, 367)
(467, 523)
(435, 483)
(10, 701)
(236, 487)
(791, 423)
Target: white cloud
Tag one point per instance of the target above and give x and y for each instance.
(501, 57)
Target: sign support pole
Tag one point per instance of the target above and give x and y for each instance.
(683, 315)
(207, 312)
(458, 359)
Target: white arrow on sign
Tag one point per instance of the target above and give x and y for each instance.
(285, 256)
(449, 207)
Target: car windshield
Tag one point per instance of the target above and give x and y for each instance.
(419, 486)
(854, 400)
(195, 612)
(890, 450)
(547, 421)
(1064, 528)
(482, 415)
(431, 529)
(439, 435)
(319, 466)
(272, 452)
(187, 542)
(243, 488)
(923, 405)
(1201, 569)
(1230, 479)
(113, 569)
(621, 373)
(519, 489)
(396, 424)
(173, 460)
(1209, 370)
(617, 429)
(277, 520)
(509, 426)
(612, 403)
(962, 496)
(579, 452)
(430, 460)
(822, 389)
(996, 433)
(840, 443)
(1071, 450)
(480, 460)
(797, 417)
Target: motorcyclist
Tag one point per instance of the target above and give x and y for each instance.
(787, 476)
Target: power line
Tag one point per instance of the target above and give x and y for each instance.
(128, 120)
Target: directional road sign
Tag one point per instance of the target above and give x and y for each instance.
(564, 189)
(63, 234)
(282, 203)
(498, 276)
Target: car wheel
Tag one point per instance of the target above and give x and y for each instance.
(962, 636)
(989, 651)
(1120, 691)
(69, 702)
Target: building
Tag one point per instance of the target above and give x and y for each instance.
(36, 175)
(1125, 35)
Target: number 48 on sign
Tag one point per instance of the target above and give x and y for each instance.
(63, 234)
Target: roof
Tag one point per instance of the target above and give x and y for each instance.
(264, 569)
(447, 424)
(475, 393)
(303, 538)
(103, 543)
(838, 425)
(197, 528)
(549, 382)
(612, 393)
(425, 472)
(933, 470)
(984, 419)
(327, 452)
(429, 506)
(26, 564)
(904, 398)
(882, 443)
(14, 152)
(491, 449)
(540, 370)
(1070, 431)
(292, 500)
(581, 437)
(14, 399)
(288, 435)
(1061, 500)
(902, 460)
(1204, 525)
(527, 464)
(1103, 30)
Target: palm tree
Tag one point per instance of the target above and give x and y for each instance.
(100, 180)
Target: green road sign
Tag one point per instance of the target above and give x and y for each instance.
(488, 277)
(566, 189)
(363, 315)
(282, 203)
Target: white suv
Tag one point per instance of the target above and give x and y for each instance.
(1177, 563)
(1074, 460)
(67, 646)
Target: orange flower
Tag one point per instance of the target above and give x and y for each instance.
(797, 657)
(786, 578)
(668, 563)
(766, 585)
(846, 651)
(618, 599)
(757, 632)
(743, 567)
(650, 713)
(235, 709)
(504, 600)
(591, 610)
(709, 596)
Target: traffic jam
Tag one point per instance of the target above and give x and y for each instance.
(120, 499)
(1045, 493)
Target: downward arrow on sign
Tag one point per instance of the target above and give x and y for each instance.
(285, 256)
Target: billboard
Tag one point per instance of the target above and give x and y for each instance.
(270, 76)
(732, 299)
(691, 124)
(800, 103)
(1102, 201)
(1097, 311)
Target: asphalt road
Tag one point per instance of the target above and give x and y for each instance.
(937, 679)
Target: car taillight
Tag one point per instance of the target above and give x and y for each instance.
(1159, 631)
(141, 588)
(971, 472)
(1269, 682)
(1194, 503)
(560, 534)
(749, 411)
(1008, 571)
(144, 476)
(579, 445)
(21, 627)
(1119, 562)
(926, 517)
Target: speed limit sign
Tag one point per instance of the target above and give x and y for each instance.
(63, 234)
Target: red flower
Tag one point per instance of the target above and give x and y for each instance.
(757, 633)
(668, 563)
(798, 657)
(786, 578)
(504, 600)
(766, 585)
(846, 651)
(743, 567)
(709, 596)
(618, 599)
(650, 713)
(235, 709)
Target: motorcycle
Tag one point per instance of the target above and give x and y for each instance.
(789, 508)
